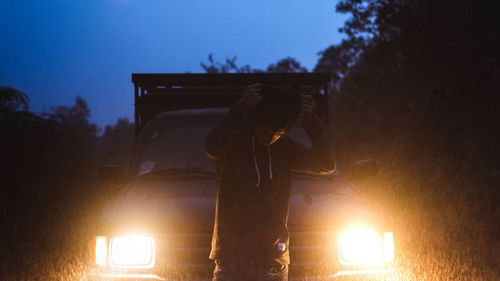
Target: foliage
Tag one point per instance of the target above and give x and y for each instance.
(229, 66)
(285, 65)
(49, 196)
(116, 143)
(13, 100)
(338, 60)
(415, 89)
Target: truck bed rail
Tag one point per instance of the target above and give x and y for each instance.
(155, 93)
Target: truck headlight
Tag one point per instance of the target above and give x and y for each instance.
(365, 246)
(125, 251)
(101, 250)
(132, 251)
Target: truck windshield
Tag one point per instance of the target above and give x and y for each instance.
(176, 145)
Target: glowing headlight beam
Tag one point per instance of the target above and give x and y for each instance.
(101, 250)
(132, 251)
(365, 246)
(388, 247)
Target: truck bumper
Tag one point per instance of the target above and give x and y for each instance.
(366, 274)
(345, 275)
(128, 277)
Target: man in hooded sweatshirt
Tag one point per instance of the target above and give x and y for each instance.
(254, 163)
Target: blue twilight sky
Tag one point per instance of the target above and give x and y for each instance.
(55, 50)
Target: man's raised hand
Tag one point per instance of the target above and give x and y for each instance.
(252, 95)
(307, 107)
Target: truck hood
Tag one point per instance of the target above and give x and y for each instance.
(189, 205)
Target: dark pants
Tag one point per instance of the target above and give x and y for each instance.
(228, 271)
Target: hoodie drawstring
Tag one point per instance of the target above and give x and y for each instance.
(256, 165)
(270, 162)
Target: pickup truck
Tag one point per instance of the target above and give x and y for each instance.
(159, 226)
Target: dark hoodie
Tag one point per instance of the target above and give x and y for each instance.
(253, 187)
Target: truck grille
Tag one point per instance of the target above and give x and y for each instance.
(184, 256)
(311, 254)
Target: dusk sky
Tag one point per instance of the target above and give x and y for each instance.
(59, 49)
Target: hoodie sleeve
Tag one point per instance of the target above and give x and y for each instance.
(318, 159)
(220, 138)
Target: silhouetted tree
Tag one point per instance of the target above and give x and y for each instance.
(339, 59)
(48, 188)
(116, 143)
(415, 60)
(286, 65)
(13, 100)
(74, 122)
(229, 66)
(416, 85)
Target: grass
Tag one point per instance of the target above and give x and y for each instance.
(442, 233)
(52, 245)
(443, 207)
(443, 211)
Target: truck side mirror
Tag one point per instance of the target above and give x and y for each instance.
(111, 174)
(363, 169)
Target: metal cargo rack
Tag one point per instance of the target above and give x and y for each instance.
(155, 93)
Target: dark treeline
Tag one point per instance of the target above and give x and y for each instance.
(415, 87)
(50, 196)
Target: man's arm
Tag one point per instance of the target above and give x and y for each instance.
(320, 158)
(219, 140)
